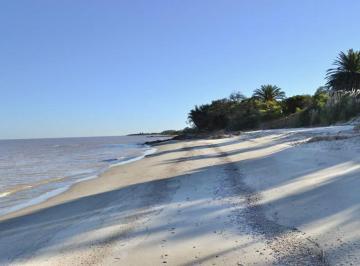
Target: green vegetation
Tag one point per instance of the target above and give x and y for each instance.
(269, 108)
(346, 75)
(268, 93)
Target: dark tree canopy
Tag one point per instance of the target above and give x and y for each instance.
(237, 96)
(346, 74)
(295, 103)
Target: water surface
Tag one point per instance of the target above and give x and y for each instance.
(33, 170)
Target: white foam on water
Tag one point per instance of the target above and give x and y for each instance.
(35, 201)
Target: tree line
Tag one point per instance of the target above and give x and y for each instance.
(268, 107)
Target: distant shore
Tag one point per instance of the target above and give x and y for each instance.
(267, 197)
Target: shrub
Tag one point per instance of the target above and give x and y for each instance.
(244, 115)
(296, 103)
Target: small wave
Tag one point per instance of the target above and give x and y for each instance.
(15, 189)
(123, 145)
(147, 152)
(22, 187)
(86, 178)
(4, 194)
(34, 201)
(110, 160)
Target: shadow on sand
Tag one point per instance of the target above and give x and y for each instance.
(25, 235)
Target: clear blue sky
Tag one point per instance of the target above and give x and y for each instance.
(85, 68)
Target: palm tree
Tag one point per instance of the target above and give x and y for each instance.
(269, 93)
(346, 75)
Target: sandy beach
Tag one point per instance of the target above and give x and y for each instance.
(275, 197)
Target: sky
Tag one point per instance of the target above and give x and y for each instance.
(97, 68)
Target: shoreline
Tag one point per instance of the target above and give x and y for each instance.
(58, 191)
(264, 197)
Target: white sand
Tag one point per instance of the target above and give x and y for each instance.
(262, 198)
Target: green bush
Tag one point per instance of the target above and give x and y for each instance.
(269, 110)
(341, 110)
(296, 104)
(244, 115)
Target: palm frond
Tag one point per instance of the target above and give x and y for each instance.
(269, 93)
(346, 74)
